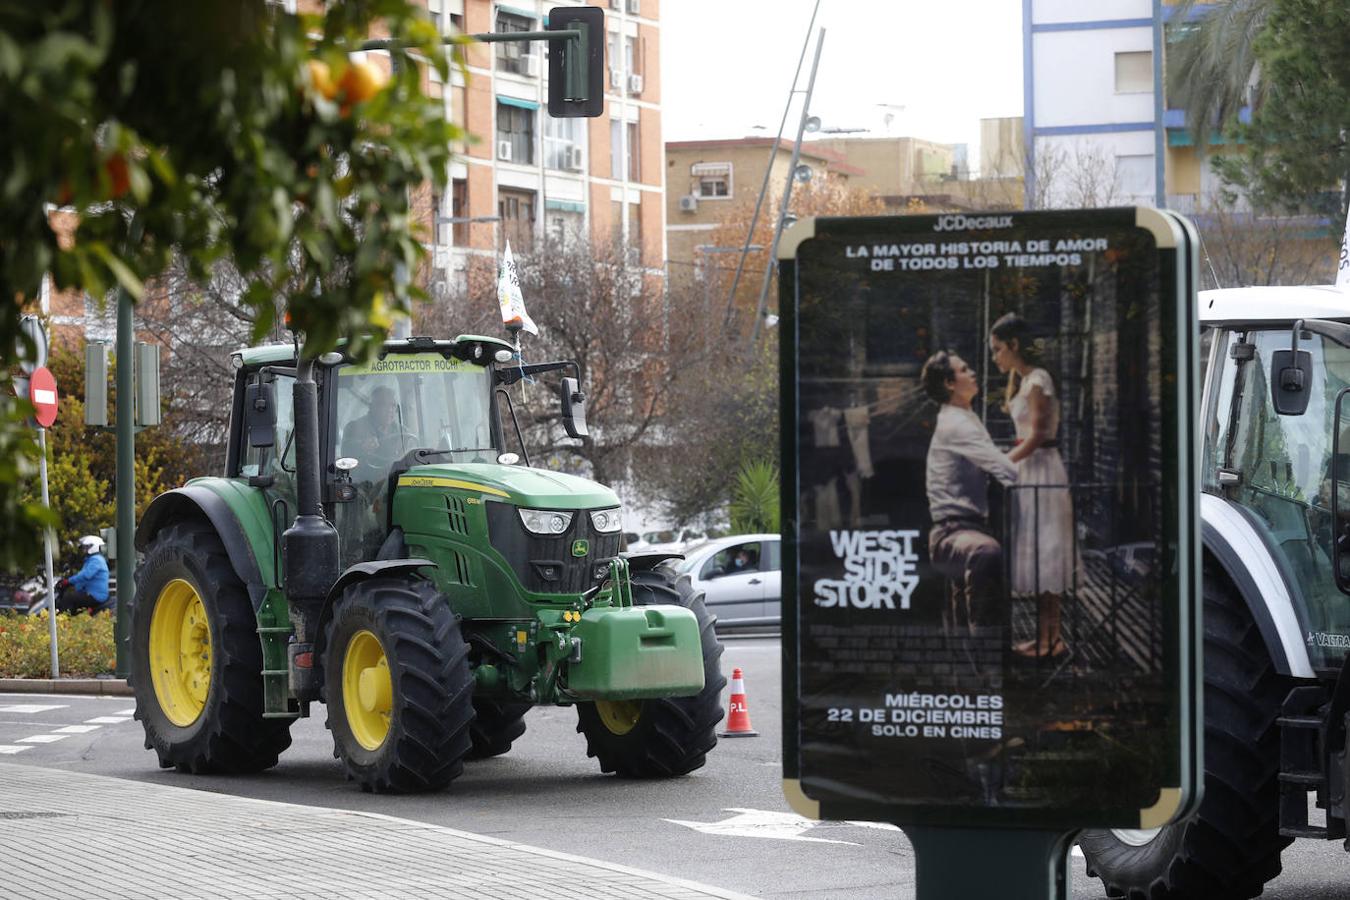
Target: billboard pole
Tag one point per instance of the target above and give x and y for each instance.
(1027, 864)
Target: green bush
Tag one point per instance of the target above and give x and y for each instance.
(754, 500)
(84, 646)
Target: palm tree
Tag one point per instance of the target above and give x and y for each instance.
(1211, 66)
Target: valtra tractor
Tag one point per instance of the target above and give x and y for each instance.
(370, 546)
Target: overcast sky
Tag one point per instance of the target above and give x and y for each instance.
(940, 67)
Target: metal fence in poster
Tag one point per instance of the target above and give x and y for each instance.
(989, 593)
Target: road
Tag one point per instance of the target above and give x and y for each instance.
(547, 793)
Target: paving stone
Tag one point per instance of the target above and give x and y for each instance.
(142, 841)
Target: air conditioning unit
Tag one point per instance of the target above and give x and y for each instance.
(615, 79)
(688, 203)
(504, 151)
(531, 65)
(572, 159)
(634, 7)
(634, 84)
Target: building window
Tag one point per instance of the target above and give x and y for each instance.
(1134, 72)
(563, 140)
(630, 58)
(514, 56)
(712, 180)
(515, 127)
(1134, 175)
(517, 211)
(634, 155)
(612, 57)
(565, 225)
(459, 209)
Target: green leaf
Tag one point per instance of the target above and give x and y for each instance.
(121, 271)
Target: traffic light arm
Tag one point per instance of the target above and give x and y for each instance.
(576, 84)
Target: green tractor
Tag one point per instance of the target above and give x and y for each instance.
(371, 546)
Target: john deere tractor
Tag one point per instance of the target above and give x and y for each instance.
(370, 545)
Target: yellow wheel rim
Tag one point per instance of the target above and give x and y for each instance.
(367, 690)
(180, 652)
(619, 716)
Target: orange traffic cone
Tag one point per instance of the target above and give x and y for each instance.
(738, 711)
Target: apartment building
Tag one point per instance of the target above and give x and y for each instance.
(708, 179)
(1095, 105)
(529, 176)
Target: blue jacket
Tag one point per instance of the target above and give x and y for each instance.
(93, 577)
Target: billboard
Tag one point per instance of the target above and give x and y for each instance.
(989, 557)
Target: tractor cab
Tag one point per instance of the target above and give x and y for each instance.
(1275, 443)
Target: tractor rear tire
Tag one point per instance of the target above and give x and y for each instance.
(668, 736)
(196, 663)
(398, 686)
(496, 727)
(1231, 846)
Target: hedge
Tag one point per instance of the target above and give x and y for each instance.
(84, 646)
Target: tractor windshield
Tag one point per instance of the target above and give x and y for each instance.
(408, 401)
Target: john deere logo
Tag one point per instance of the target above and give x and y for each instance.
(581, 548)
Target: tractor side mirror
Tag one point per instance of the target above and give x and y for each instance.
(573, 409)
(1291, 384)
(260, 414)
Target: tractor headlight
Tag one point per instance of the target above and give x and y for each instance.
(545, 521)
(607, 520)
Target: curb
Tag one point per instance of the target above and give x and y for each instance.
(91, 686)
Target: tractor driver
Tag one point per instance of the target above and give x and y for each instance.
(375, 438)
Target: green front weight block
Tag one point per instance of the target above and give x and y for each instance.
(641, 651)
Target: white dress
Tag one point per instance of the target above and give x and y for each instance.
(1044, 560)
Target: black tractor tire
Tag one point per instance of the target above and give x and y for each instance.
(431, 685)
(672, 735)
(1231, 846)
(496, 726)
(229, 735)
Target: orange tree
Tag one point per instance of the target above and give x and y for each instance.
(212, 129)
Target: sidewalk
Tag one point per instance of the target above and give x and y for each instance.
(69, 835)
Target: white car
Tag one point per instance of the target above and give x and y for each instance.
(749, 593)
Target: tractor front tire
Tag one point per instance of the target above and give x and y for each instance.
(496, 726)
(1231, 846)
(668, 736)
(196, 663)
(398, 686)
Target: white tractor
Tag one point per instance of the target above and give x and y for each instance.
(1275, 506)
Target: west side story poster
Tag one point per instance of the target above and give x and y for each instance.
(985, 405)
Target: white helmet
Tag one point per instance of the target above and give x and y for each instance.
(91, 543)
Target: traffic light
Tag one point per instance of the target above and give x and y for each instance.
(576, 66)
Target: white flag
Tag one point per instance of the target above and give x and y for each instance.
(509, 297)
(1343, 266)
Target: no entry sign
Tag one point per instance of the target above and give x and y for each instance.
(42, 393)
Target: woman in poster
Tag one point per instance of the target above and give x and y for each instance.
(1044, 556)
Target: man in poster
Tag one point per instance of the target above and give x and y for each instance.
(961, 458)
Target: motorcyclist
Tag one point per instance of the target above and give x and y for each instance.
(88, 588)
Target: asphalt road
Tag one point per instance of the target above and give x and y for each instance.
(725, 825)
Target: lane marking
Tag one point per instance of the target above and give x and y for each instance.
(107, 720)
(43, 739)
(77, 729)
(759, 823)
(31, 707)
(12, 749)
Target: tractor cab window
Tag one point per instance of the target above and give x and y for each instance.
(404, 402)
(1278, 468)
(277, 460)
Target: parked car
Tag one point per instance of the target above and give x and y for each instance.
(665, 540)
(748, 594)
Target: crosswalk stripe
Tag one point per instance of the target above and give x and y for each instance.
(43, 739)
(77, 729)
(126, 712)
(12, 749)
(107, 720)
(31, 707)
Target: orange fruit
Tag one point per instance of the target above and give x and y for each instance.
(322, 79)
(118, 175)
(360, 81)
